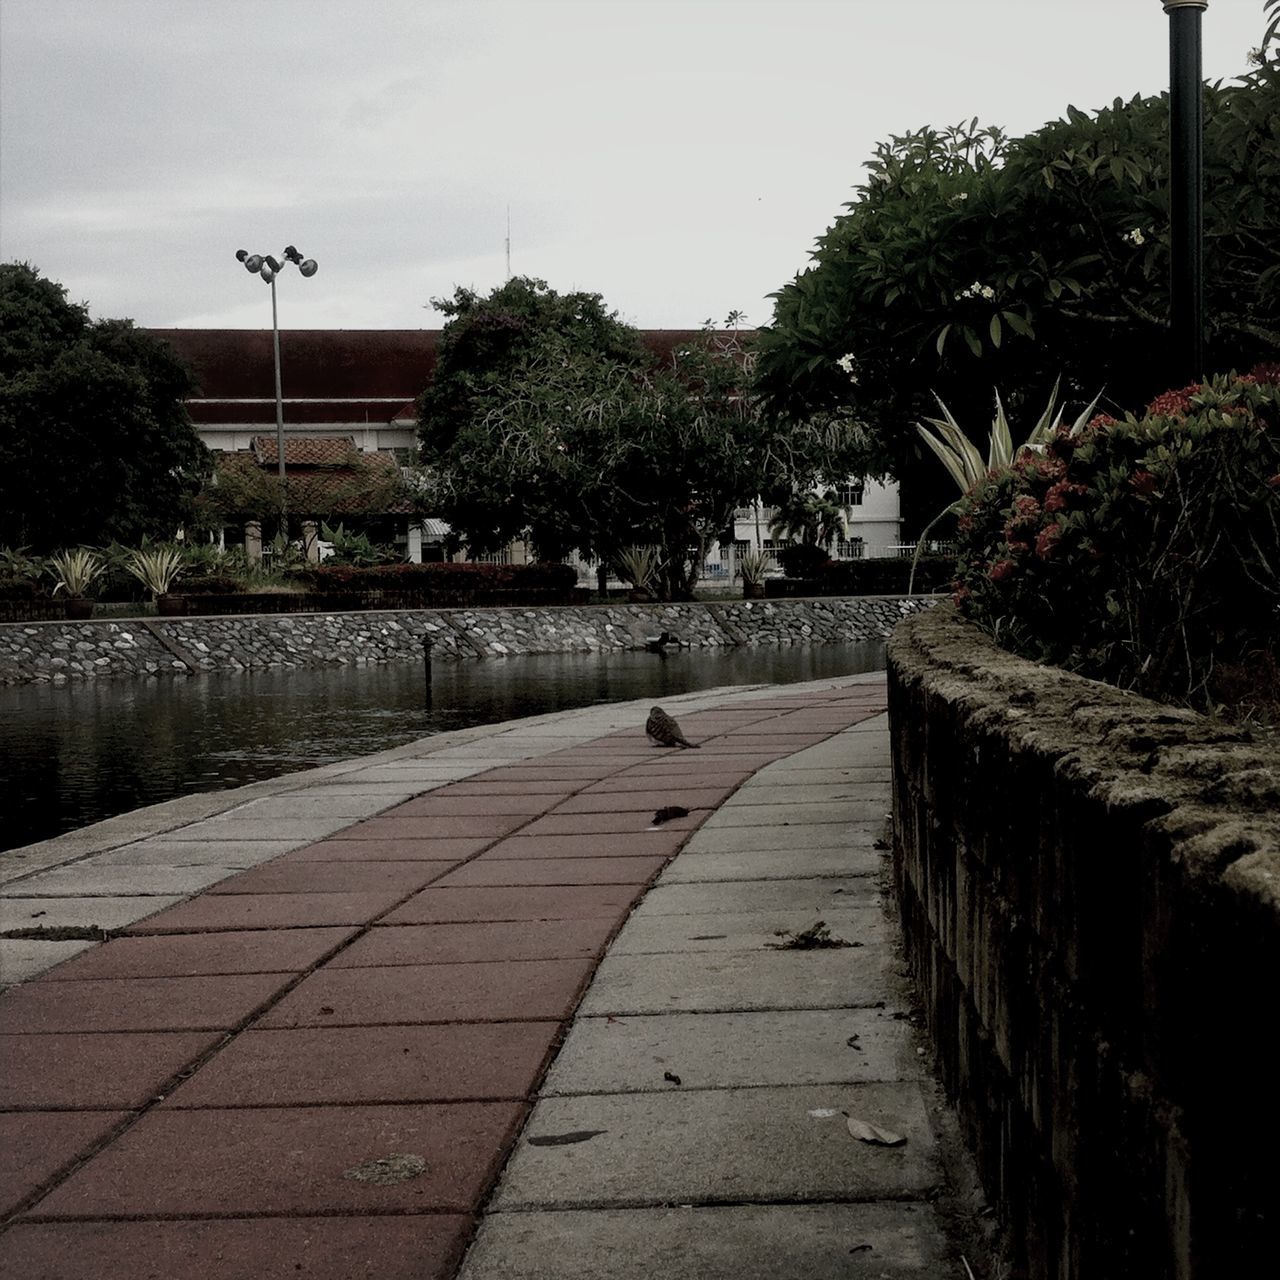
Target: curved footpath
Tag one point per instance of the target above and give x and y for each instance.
(332, 1061)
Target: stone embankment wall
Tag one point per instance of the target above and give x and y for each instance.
(63, 651)
(1090, 887)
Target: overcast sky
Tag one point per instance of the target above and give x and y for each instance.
(677, 156)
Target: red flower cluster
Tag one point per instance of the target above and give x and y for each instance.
(1056, 498)
(1143, 482)
(1174, 404)
(1047, 540)
(1001, 570)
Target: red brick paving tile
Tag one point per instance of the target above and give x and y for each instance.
(391, 827)
(533, 902)
(397, 878)
(643, 800)
(611, 822)
(100, 1070)
(495, 785)
(637, 843)
(188, 955)
(136, 1004)
(402, 1247)
(548, 772)
(444, 849)
(558, 871)
(686, 766)
(290, 1161)
(503, 991)
(210, 912)
(451, 805)
(458, 943)
(35, 1145)
(645, 780)
(357, 1065)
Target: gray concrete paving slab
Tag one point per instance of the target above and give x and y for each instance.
(773, 864)
(23, 958)
(89, 880)
(227, 827)
(744, 931)
(806, 776)
(746, 811)
(791, 790)
(191, 853)
(714, 982)
(79, 913)
(729, 1242)
(735, 1050)
(318, 804)
(713, 838)
(819, 895)
(723, 1146)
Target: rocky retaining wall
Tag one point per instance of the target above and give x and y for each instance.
(61, 651)
(1090, 886)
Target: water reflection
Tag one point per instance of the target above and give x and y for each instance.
(78, 753)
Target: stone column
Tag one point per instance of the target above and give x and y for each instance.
(253, 540)
(310, 542)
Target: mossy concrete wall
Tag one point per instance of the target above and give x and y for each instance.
(1090, 886)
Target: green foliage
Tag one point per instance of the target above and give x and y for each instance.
(75, 571)
(816, 519)
(803, 559)
(156, 568)
(545, 420)
(1144, 552)
(970, 260)
(356, 548)
(95, 443)
(755, 567)
(639, 566)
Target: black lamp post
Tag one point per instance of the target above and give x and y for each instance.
(1186, 188)
(268, 268)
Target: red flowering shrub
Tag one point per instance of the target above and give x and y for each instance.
(1145, 552)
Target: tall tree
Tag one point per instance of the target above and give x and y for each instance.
(970, 261)
(95, 443)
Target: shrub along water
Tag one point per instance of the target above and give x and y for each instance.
(1144, 552)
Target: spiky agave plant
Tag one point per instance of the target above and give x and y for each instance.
(640, 566)
(75, 570)
(155, 569)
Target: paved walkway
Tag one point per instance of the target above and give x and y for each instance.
(320, 1065)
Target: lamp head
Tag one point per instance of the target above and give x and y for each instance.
(266, 273)
(241, 254)
(253, 262)
(309, 267)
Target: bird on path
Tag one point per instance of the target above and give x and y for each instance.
(664, 731)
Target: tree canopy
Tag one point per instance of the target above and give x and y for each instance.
(971, 261)
(95, 443)
(547, 419)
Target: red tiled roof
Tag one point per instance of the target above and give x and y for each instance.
(306, 451)
(345, 376)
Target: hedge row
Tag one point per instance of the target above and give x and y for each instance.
(887, 577)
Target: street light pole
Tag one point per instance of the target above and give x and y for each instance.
(1186, 188)
(268, 268)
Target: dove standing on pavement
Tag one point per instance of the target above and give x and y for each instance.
(664, 730)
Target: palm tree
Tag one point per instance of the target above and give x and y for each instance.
(813, 520)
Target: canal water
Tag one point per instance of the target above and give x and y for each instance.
(77, 753)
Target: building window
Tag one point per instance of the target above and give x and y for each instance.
(849, 495)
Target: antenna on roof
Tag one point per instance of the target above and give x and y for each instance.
(508, 242)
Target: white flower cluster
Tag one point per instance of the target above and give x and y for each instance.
(848, 364)
(1135, 236)
(959, 196)
(976, 290)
